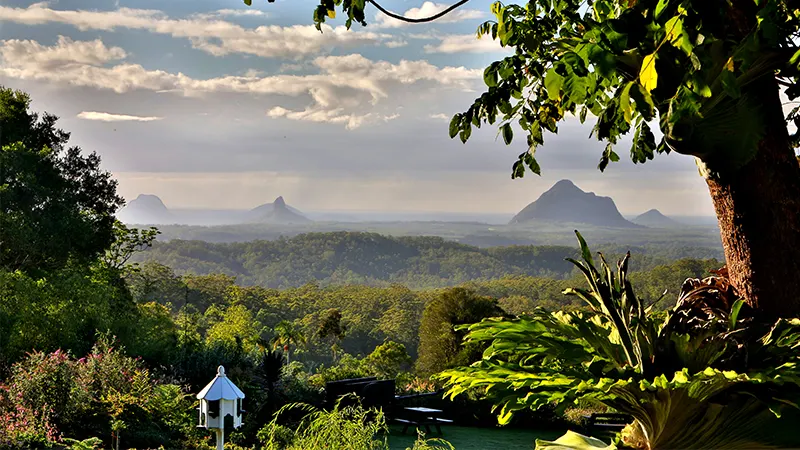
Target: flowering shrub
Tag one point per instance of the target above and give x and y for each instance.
(39, 399)
(106, 393)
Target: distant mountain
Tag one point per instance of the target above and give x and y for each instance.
(146, 209)
(654, 219)
(276, 212)
(565, 202)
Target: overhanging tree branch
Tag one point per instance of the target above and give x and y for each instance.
(420, 20)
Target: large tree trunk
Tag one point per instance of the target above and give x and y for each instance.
(759, 217)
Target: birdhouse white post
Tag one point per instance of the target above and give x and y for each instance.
(219, 399)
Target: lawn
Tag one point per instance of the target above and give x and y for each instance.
(464, 438)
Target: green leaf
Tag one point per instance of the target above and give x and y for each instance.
(608, 156)
(490, 76)
(531, 162)
(648, 75)
(466, 132)
(576, 88)
(577, 64)
(586, 254)
(248, 2)
(455, 124)
(734, 317)
(625, 102)
(677, 36)
(644, 144)
(662, 4)
(508, 133)
(699, 85)
(729, 84)
(574, 441)
(553, 83)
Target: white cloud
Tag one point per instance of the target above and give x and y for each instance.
(396, 43)
(65, 52)
(465, 43)
(344, 89)
(440, 116)
(336, 116)
(250, 12)
(426, 10)
(208, 34)
(109, 117)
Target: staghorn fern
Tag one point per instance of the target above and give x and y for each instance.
(699, 377)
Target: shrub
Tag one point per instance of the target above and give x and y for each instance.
(348, 367)
(352, 427)
(40, 399)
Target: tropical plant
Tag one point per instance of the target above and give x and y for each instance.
(87, 444)
(707, 374)
(352, 427)
(287, 334)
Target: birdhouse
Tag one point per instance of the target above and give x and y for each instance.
(219, 399)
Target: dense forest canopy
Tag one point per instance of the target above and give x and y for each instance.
(338, 258)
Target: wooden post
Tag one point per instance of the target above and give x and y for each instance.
(220, 439)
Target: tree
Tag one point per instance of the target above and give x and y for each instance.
(331, 329)
(388, 359)
(286, 335)
(55, 203)
(708, 73)
(237, 325)
(127, 242)
(440, 344)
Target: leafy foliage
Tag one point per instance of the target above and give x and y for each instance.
(690, 65)
(49, 190)
(684, 378)
(349, 426)
(440, 345)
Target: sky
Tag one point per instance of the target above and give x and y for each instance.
(213, 104)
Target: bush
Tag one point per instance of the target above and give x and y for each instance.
(40, 400)
(348, 367)
(106, 393)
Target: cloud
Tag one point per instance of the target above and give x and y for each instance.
(208, 34)
(232, 13)
(335, 116)
(109, 117)
(465, 43)
(65, 52)
(426, 10)
(440, 116)
(344, 89)
(396, 43)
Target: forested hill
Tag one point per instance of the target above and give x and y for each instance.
(337, 258)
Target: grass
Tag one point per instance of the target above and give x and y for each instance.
(464, 438)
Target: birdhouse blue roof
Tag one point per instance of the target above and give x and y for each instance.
(220, 388)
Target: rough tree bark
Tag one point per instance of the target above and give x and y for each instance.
(758, 210)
